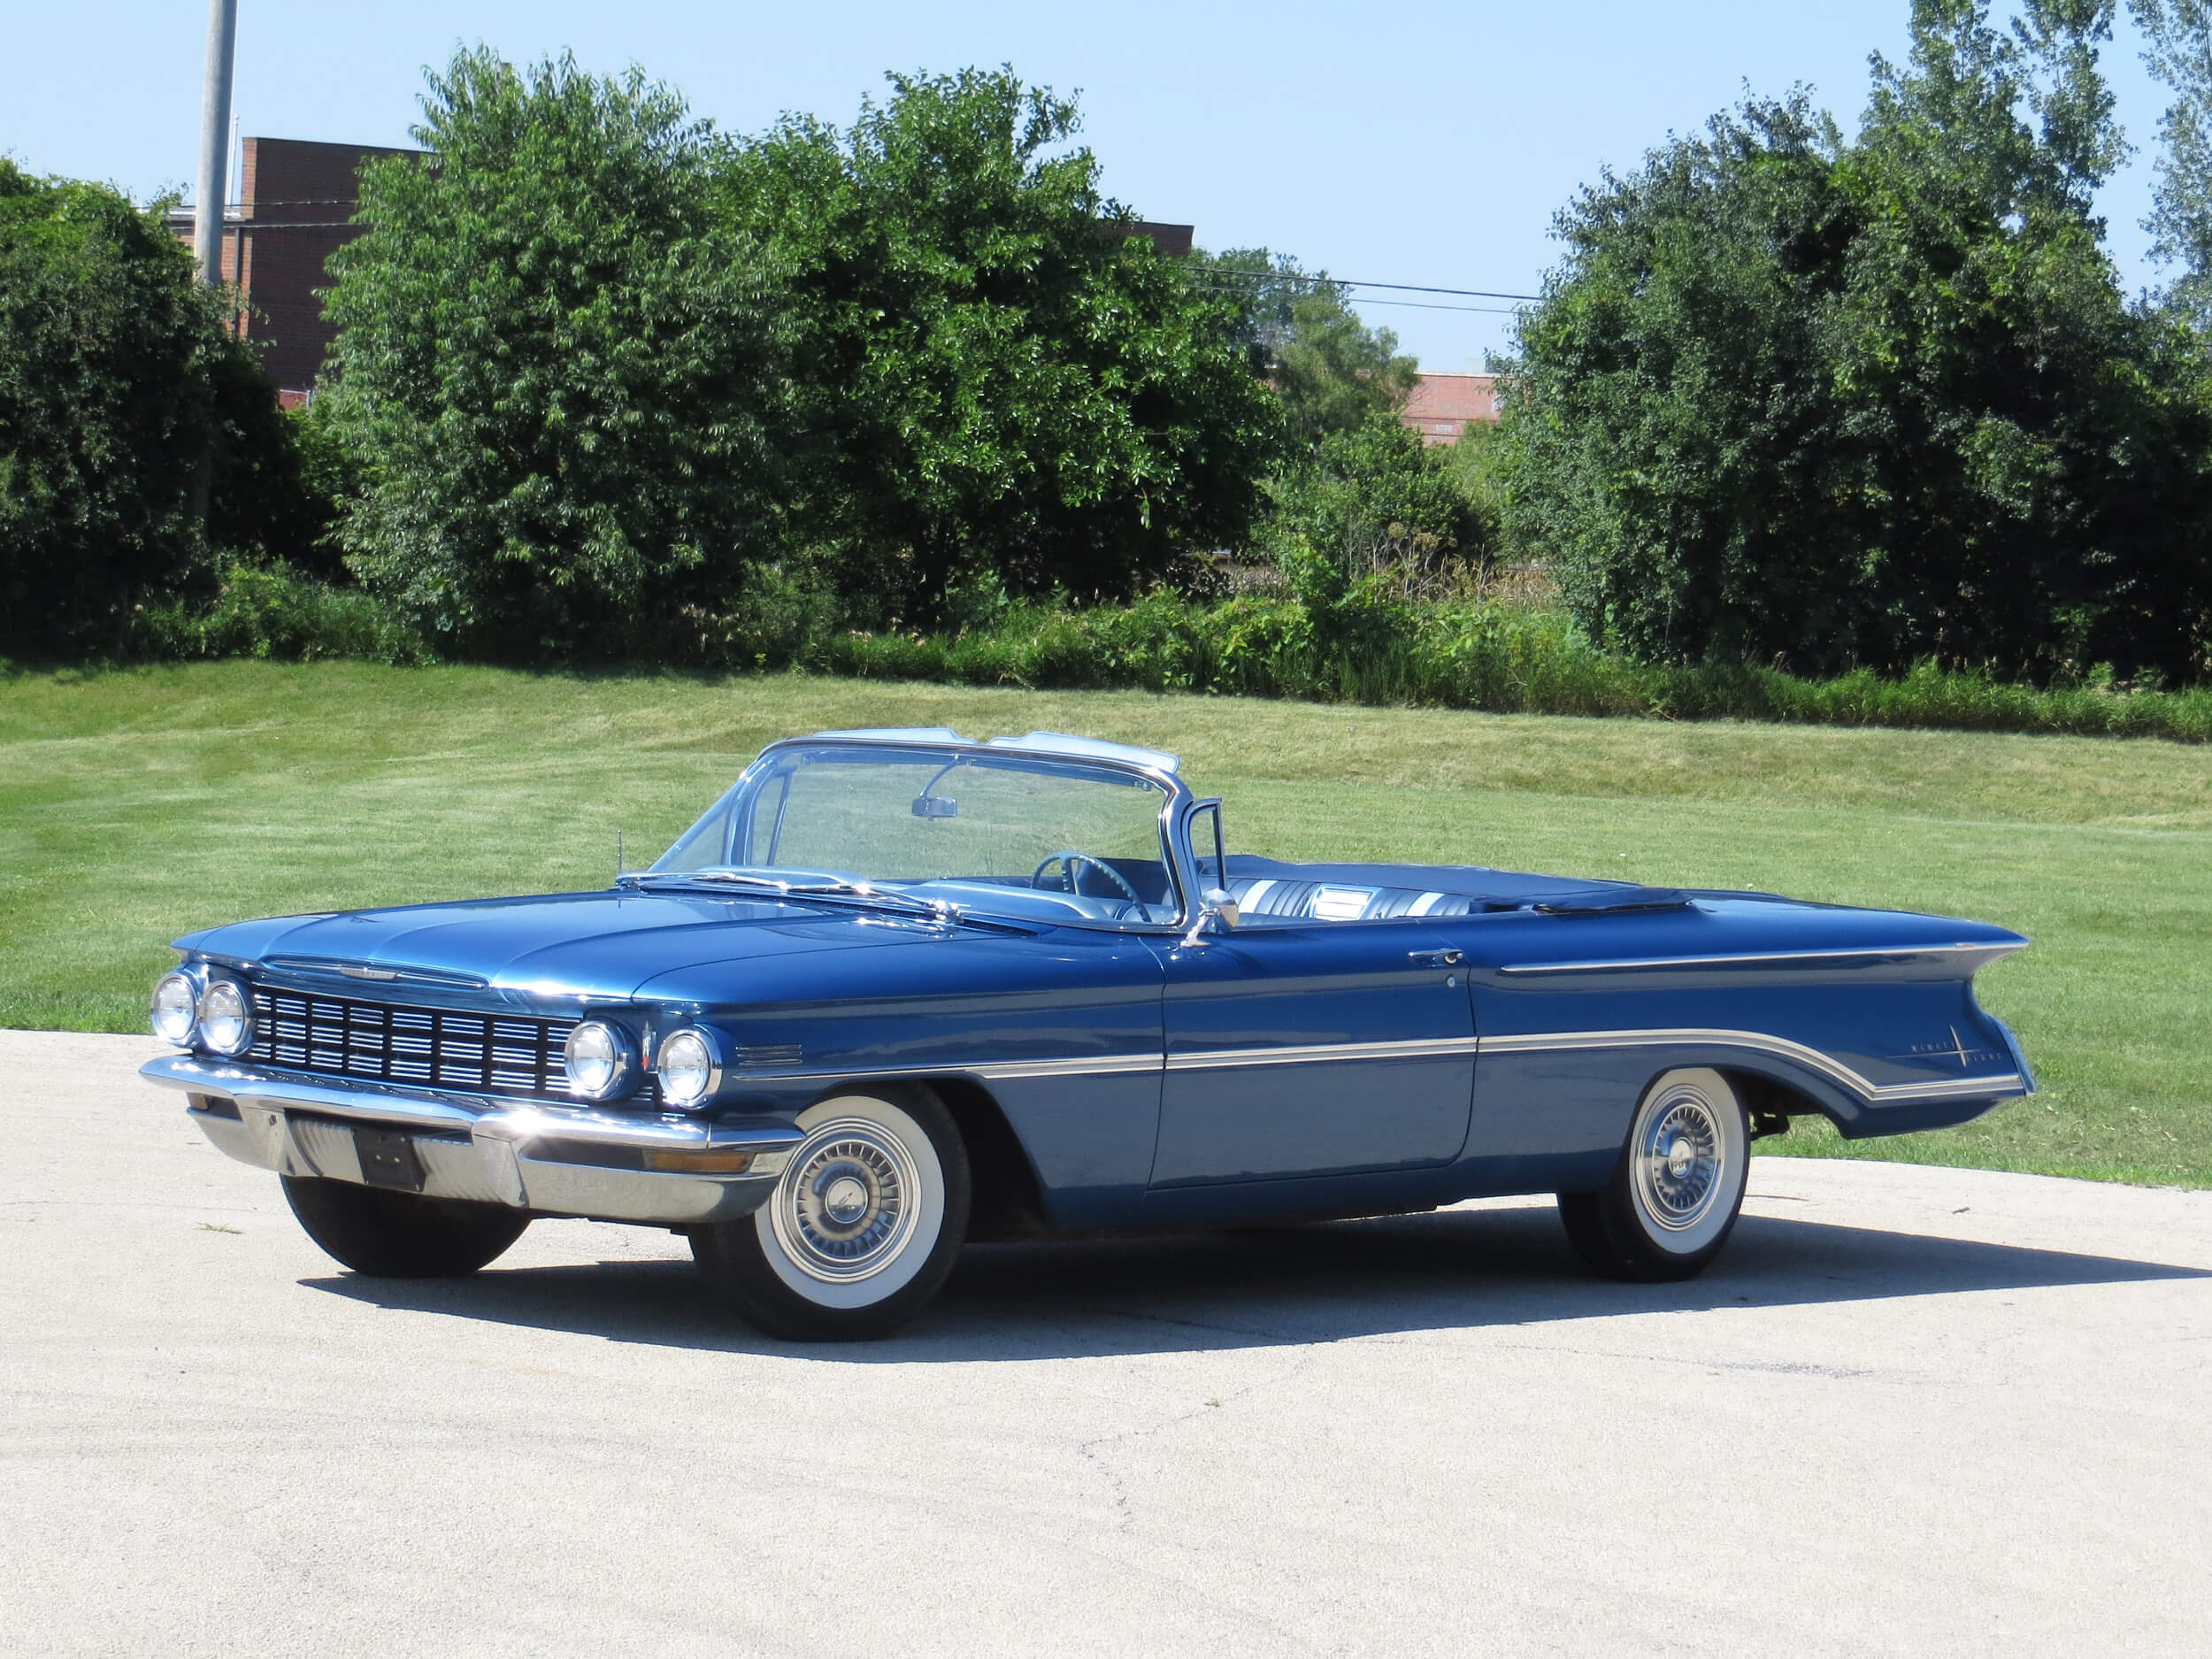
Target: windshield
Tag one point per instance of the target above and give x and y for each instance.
(1031, 837)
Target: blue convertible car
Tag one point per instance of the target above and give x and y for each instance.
(897, 990)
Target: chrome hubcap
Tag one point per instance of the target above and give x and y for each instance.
(845, 1200)
(845, 1208)
(1678, 1163)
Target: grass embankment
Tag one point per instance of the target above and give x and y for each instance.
(137, 805)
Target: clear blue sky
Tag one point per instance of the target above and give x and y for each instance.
(1425, 144)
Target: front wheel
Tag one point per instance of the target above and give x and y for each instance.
(861, 1230)
(400, 1235)
(1673, 1197)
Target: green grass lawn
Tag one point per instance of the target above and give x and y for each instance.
(137, 805)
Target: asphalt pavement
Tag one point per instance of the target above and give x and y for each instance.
(1911, 1411)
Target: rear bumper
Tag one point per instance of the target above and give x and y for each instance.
(530, 1154)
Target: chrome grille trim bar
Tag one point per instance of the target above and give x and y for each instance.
(479, 1051)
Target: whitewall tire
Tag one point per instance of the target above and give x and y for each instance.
(862, 1229)
(1674, 1194)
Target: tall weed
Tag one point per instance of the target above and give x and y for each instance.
(274, 612)
(1505, 659)
(1502, 658)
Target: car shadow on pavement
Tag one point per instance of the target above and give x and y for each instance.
(1263, 1286)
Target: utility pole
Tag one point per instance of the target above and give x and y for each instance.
(214, 181)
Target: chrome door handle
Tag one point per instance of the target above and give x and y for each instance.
(1434, 958)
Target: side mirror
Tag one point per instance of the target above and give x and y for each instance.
(1217, 914)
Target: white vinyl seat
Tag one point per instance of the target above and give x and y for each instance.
(1266, 898)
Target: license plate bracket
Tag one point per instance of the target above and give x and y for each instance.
(388, 1158)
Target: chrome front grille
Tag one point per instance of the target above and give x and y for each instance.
(429, 1047)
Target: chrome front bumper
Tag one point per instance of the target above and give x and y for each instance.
(533, 1154)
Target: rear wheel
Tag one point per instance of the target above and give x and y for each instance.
(400, 1235)
(1673, 1196)
(861, 1230)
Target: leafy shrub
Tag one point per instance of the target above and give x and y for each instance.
(273, 612)
(1502, 658)
(1832, 403)
(993, 380)
(554, 370)
(135, 431)
(1376, 514)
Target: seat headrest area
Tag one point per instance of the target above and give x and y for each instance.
(1339, 901)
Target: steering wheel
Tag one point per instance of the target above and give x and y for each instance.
(1071, 860)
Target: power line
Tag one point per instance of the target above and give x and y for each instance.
(1353, 282)
(1417, 305)
(1415, 288)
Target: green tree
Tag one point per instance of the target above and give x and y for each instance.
(559, 373)
(2177, 35)
(1865, 403)
(1332, 371)
(1673, 434)
(138, 438)
(999, 387)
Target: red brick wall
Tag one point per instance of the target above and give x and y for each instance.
(296, 199)
(1440, 405)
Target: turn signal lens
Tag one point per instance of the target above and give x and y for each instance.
(176, 1008)
(700, 1163)
(689, 1069)
(226, 1018)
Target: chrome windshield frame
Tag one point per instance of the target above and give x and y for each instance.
(1174, 816)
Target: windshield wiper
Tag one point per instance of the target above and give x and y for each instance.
(861, 893)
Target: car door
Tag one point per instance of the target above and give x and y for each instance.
(1313, 1048)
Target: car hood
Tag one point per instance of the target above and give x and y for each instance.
(587, 944)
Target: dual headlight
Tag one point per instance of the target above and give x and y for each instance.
(212, 1010)
(601, 1063)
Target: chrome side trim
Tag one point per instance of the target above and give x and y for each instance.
(1874, 1093)
(1134, 1065)
(1323, 1054)
(1105, 1065)
(1095, 1066)
(1982, 953)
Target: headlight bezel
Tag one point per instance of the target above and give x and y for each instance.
(622, 1061)
(206, 1019)
(710, 1074)
(189, 977)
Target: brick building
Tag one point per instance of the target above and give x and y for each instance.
(295, 209)
(1440, 405)
(1174, 241)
